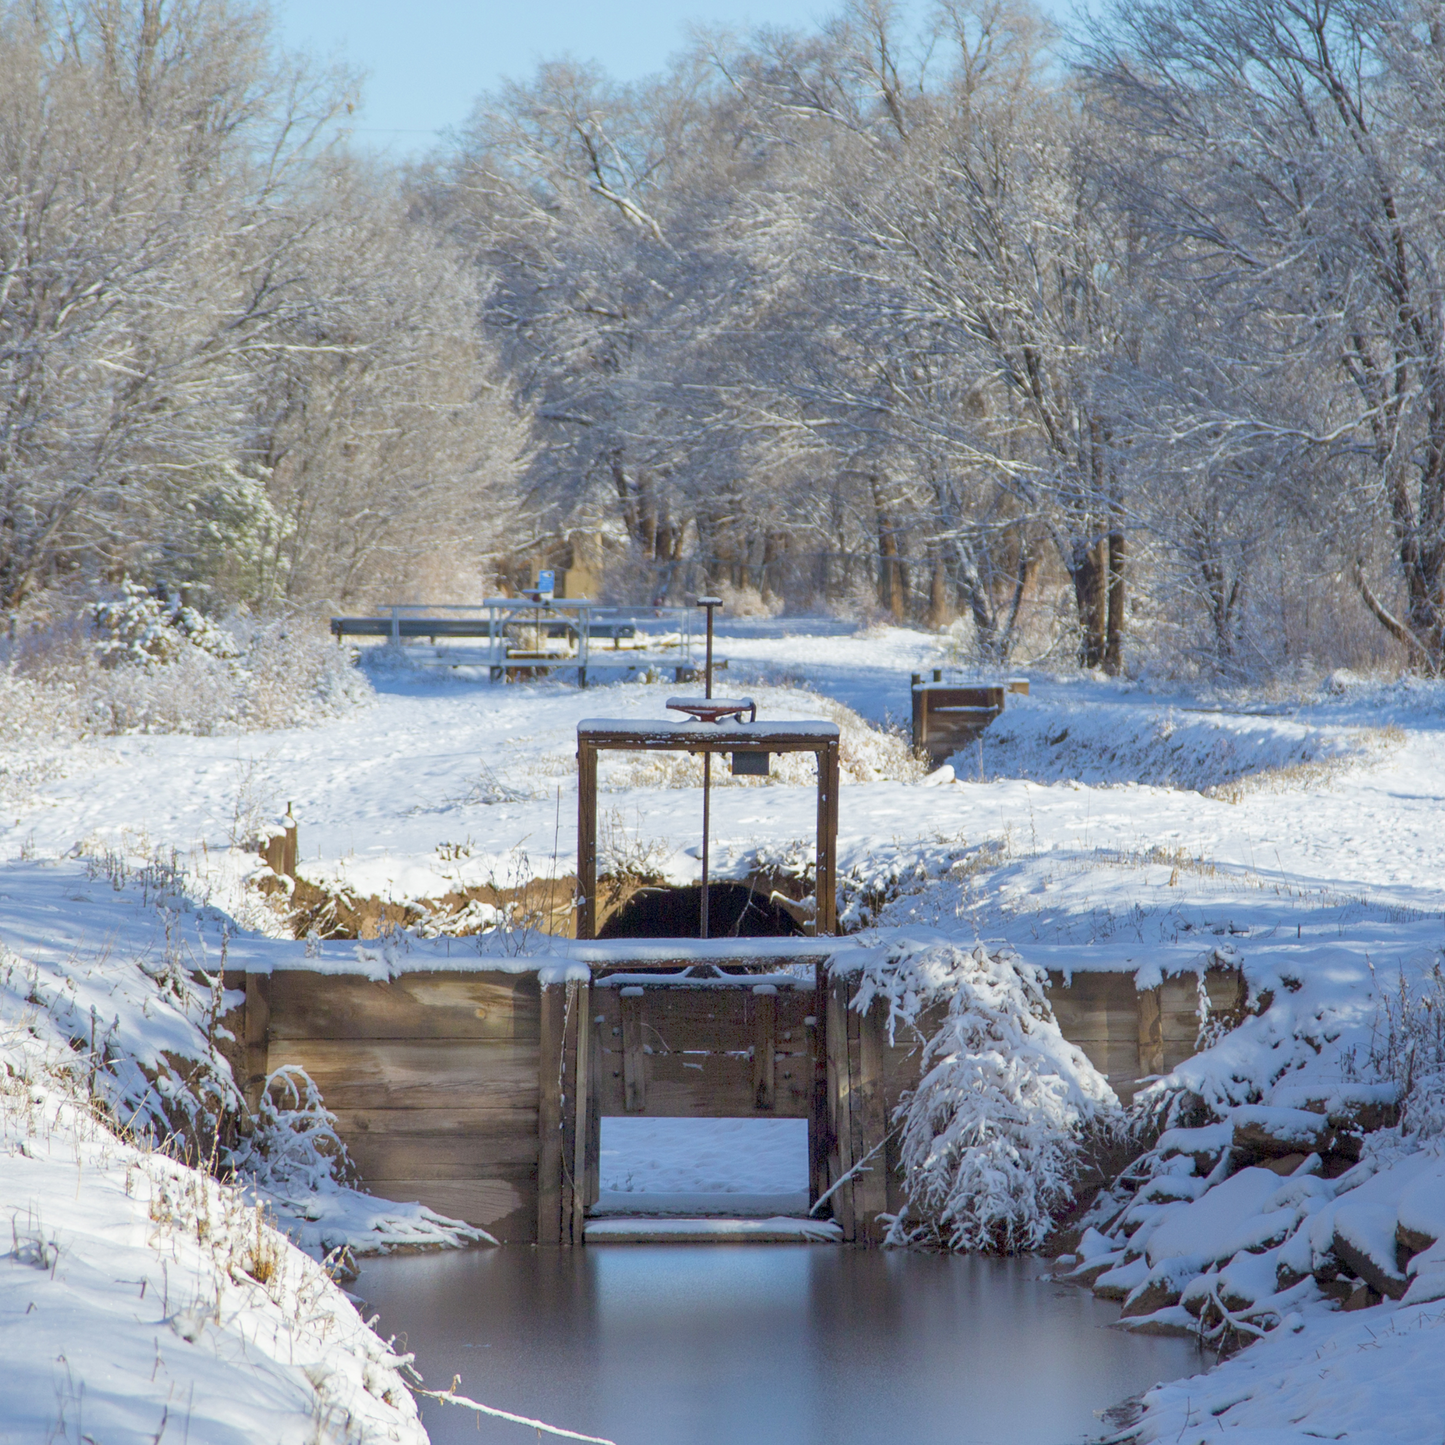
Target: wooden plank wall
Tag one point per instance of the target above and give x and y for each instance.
(948, 718)
(482, 1094)
(433, 1079)
(1134, 1034)
(1128, 1034)
(705, 1053)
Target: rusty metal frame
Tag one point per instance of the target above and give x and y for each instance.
(606, 735)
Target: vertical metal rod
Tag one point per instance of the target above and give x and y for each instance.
(706, 809)
(707, 672)
(707, 604)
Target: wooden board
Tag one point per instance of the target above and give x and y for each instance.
(462, 1121)
(490, 1006)
(765, 1054)
(676, 1052)
(385, 1074)
(840, 1124)
(1148, 1003)
(708, 1086)
(255, 1036)
(634, 1062)
(443, 1156)
(713, 1020)
(505, 1207)
(870, 1196)
(549, 1118)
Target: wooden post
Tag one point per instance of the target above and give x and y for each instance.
(581, 1075)
(820, 1139)
(553, 1004)
(840, 1125)
(918, 696)
(634, 1066)
(586, 839)
(593, 1191)
(857, 1148)
(765, 1045)
(1151, 1032)
(827, 866)
(257, 1042)
(870, 1127)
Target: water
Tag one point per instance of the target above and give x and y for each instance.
(719, 1345)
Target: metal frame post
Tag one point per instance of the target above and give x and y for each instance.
(707, 603)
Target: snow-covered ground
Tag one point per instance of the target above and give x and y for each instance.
(704, 1166)
(140, 1300)
(1097, 826)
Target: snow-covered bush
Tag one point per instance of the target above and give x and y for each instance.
(990, 1138)
(1408, 1048)
(143, 628)
(139, 662)
(294, 1148)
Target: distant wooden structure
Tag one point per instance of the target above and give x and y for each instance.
(533, 635)
(481, 1092)
(949, 716)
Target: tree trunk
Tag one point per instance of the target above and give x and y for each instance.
(892, 579)
(1114, 645)
(1090, 570)
(937, 589)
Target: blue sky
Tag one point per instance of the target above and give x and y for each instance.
(428, 60)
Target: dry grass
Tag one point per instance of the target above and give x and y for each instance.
(1303, 777)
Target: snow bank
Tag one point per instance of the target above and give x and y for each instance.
(1101, 743)
(143, 1299)
(119, 975)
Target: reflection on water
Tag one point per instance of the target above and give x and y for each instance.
(706, 1344)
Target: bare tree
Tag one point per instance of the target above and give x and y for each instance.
(1284, 155)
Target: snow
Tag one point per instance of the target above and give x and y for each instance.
(646, 1156)
(1162, 835)
(1422, 1204)
(780, 1229)
(1373, 1377)
(1221, 1223)
(1299, 1127)
(673, 732)
(140, 1297)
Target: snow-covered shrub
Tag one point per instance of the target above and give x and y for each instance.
(991, 1137)
(139, 1032)
(294, 1149)
(138, 662)
(143, 628)
(1408, 1049)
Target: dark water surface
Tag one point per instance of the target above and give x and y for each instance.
(721, 1344)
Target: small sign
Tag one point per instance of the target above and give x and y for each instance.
(751, 764)
(546, 585)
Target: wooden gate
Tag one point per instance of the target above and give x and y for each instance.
(696, 1043)
(482, 1093)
